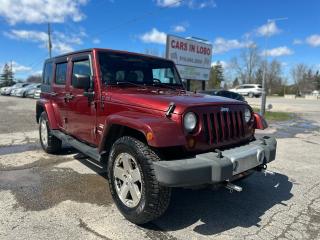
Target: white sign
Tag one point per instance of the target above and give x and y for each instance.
(193, 58)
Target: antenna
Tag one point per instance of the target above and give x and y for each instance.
(49, 40)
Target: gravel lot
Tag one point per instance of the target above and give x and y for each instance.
(66, 196)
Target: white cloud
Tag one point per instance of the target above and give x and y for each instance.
(96, 41)
(169, 3)
(34, 36)
(41, 11)
(193, 4)
(154, 36)
(61, 43)
(313, 40)
(297, 42)
(223, 63)
(268, 29)
(18, 68)
(179, 28)
(277, 52)
(221, 45)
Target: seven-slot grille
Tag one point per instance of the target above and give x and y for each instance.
(223, 126)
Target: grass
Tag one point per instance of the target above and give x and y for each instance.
(276, 116)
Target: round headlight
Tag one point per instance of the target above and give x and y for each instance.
(190, 121)
(247, 115)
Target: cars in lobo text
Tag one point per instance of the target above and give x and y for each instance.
(250, 90)
(132, 113)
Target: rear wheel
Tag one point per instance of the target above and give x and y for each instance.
(133, 185)
(250, 95)
(49, 143)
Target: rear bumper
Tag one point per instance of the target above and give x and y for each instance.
(210, 168)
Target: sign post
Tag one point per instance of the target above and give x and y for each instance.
(192, 58)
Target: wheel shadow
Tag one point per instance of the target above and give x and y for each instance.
(221, 210)
(217, 210)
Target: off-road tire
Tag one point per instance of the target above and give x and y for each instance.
(155, 198)
(53, 144)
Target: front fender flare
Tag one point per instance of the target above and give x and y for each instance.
(165, 131)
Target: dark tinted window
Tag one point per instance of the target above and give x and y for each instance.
(120, 67)
(81, 68)
(61, 73)
(47, 73)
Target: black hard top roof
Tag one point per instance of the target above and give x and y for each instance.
(105, 50)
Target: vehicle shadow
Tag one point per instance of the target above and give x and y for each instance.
(220, 210)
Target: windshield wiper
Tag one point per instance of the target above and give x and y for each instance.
(127, 83)
(164, 85)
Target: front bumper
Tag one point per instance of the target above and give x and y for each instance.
(210, 168)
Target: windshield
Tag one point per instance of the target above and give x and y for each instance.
(120, 67)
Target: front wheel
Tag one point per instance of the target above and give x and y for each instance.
(251, 95)
(49, 143)
(133, 185)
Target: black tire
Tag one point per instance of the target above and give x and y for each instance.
(155, 198)
(250, 95)
(53, 144)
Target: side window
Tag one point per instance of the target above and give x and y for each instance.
(120, 75)
(47, 73)
(61, 73)
(163, 74)
(81, 68)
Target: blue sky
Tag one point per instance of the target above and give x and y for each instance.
(230, 25)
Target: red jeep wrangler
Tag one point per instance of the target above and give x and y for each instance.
(131, 112)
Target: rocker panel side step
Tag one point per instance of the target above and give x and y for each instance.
(82, 147)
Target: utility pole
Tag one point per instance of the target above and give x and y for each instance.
(49, 40)
(264, 93)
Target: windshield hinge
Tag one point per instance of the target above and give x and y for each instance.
(170, 110)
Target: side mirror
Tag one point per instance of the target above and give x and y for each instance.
(81, 81)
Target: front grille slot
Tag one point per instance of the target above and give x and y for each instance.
(220, 127)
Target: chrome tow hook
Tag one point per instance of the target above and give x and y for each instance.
(233, 187)
(265, 171)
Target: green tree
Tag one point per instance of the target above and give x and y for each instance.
(216, 76)
(7, 76)
(235, 82)
(317, 81)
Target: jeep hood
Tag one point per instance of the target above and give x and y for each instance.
(159, 99)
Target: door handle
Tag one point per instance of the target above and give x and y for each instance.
(68, 97)
(53, 94)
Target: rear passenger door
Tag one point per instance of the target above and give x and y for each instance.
(59, 90)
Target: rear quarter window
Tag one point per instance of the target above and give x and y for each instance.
(47, 73)
(61, 73)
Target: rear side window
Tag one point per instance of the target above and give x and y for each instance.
(47, 73)
(81, 68)
(61, 73)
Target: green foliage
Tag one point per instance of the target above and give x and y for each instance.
(7, 76)
(276, 116)
(235, 82)
(216, 76)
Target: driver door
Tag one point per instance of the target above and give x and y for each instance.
(82, 111)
